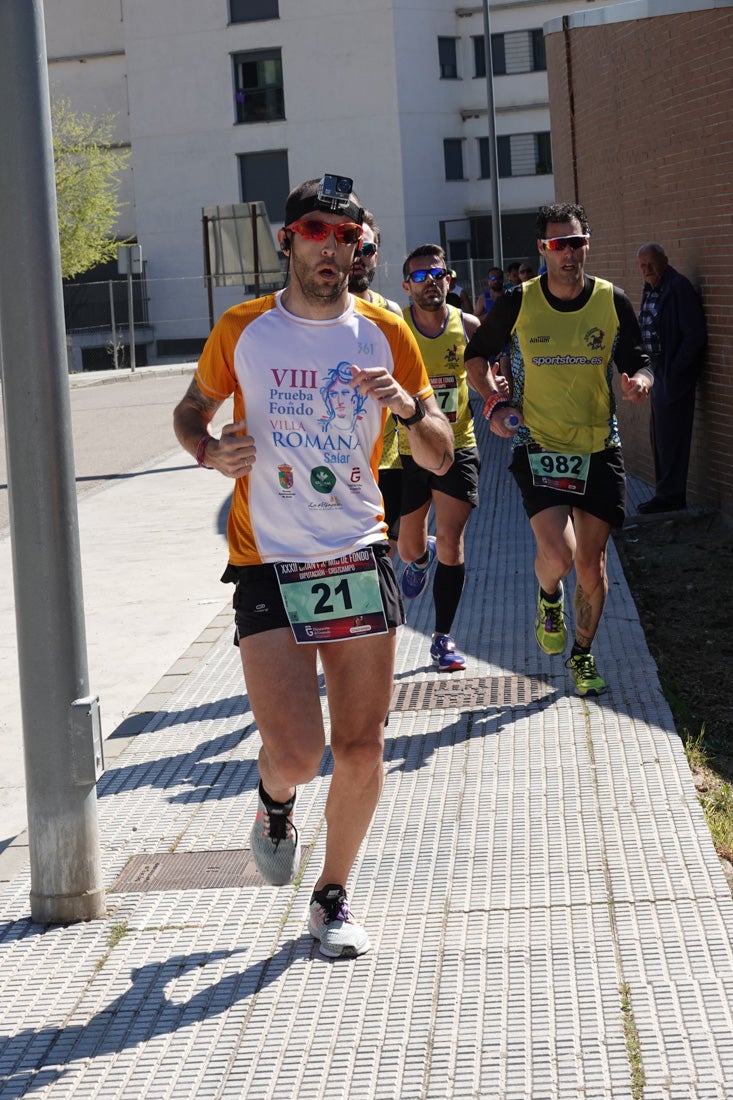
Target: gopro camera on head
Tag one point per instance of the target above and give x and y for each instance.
(334, 193)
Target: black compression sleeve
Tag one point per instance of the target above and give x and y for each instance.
(629, 354)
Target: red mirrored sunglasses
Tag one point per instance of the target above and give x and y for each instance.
(312, 229)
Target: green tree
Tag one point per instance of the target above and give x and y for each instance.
(87, 167)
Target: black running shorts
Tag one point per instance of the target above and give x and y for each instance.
(390, 486)
(460, 482)
(605, 493)
(258, 605)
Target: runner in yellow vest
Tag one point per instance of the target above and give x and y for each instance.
(363, 270)
(565, 332)
(442, 332)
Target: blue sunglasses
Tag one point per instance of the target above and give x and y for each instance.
(422, 273)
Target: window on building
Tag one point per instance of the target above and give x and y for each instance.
(479, 57)
(484, 159)
(448, 58)
(453, 157)
(498, 62)
(258, 86)
(515, 52)
(544, 154)
(250, 11)
(504, 156)
(498, 55)
(518, 155)
(459, 251)
(264, 177)
(539, 56)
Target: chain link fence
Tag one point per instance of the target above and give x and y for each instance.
(172, 317)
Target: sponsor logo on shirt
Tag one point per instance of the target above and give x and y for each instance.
(322, 479)
(594, 338)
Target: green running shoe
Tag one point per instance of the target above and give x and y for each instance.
(583, 670)
(549, 627)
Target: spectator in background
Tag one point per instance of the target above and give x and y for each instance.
(675, 333)
(458, 295)
(493, 292)
(512, 275)
(526, 271)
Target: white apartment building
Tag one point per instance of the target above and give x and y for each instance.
(228, 101)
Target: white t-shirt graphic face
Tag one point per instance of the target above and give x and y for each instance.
(344, 403)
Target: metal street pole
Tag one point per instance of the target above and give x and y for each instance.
(130, 262)
(62, 741)
(113, 323)
(493, 158)
(130, 317)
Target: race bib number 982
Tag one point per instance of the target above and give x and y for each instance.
(553, 470)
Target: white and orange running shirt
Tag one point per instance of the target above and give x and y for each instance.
(312, 493)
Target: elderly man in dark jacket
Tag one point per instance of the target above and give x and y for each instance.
(674, 330)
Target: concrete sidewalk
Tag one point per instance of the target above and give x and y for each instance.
(152, 539)
(548, 916)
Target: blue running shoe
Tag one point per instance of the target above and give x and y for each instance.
(444, 654)
(415, 577)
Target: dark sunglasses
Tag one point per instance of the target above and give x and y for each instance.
(312, 230)
(368, 249)
(422, 273)
(557, 244)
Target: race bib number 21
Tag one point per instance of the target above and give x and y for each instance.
(330, 601)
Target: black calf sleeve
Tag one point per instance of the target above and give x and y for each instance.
(447, 587)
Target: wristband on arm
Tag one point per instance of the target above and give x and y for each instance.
(496, 401)
(201, 451)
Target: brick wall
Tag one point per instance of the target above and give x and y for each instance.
(652, 134)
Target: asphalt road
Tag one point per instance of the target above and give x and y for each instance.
(121, 421)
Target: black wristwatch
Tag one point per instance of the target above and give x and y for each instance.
(419, 414)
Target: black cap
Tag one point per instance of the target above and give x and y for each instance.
(305, 200)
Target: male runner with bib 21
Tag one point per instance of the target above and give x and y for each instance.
(314, 372)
